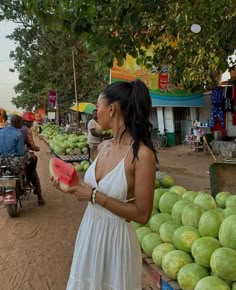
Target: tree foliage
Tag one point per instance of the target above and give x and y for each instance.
(116, 28)
(43, 59)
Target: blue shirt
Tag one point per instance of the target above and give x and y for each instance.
(11, 142)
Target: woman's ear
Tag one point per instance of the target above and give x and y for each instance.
(112, 110)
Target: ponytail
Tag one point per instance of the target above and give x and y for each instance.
(136, 106)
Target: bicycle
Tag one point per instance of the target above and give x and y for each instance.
(159, 139)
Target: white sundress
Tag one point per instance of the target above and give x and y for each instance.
(107, 254)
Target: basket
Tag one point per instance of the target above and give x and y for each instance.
(8, 182)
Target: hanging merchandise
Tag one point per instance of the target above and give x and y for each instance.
(234, 98)
(216, 110)
(227, 99)
(234, 119)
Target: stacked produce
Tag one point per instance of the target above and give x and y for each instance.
(192, 236)
(68, 144)
(63, 143)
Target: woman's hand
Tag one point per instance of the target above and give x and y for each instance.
(82, 191)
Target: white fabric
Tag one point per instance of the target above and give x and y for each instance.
(92, 124)
(107, 255)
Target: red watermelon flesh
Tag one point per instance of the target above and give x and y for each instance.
(64, 172)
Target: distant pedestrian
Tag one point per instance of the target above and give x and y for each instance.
(95, 135)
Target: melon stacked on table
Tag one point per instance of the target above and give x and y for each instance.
(49, 130)
(69, 144)
(63, 143)
(192, 236)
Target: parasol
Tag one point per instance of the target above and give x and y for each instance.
(84, 107)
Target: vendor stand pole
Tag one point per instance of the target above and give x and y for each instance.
(208, 147)
(76, 97)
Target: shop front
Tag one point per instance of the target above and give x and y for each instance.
(173, 109)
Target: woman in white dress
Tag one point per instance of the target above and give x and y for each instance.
(118, 187)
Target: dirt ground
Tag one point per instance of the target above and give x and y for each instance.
(36, 247)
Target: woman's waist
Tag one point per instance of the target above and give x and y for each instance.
(98, 211)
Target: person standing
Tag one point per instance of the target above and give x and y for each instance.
(119, 188)
(31, 169)
(95, 135)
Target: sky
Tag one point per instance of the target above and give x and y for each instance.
(7, 79)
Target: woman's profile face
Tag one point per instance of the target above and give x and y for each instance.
(103, 113)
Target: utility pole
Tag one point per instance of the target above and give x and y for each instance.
(76, 96)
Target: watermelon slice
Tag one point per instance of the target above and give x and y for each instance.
(64, 172)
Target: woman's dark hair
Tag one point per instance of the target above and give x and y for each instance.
(135, 103)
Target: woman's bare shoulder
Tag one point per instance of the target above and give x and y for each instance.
(145, 154)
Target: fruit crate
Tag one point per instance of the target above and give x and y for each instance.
(159, 280)
(222, 176)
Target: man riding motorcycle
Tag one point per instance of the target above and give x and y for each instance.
(31, 172)
(12, 150)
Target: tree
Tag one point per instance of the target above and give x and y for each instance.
(44, 61)
(116, 28)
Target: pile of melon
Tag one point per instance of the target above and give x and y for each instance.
(65, 143)
(192, 236)
(49, 130)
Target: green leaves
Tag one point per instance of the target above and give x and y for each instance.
(111, 29)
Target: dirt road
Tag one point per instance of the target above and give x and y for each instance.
(36, 247)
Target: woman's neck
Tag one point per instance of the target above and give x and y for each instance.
(118, 132)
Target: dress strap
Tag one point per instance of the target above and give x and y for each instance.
(129, 148)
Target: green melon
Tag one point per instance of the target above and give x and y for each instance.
(157, 195)
(227, 232)
(184, 237)
(229, 211)
(211, 283)
(173, 261)
(221, 198)
(167, 230)
(226, 281)
(230, 201)
(205, 200)
(167, 181)
(190, 274)
(149, 242)
(154, 211)
(209, 223)
(177, 209)
(167, 200)
(160, 251)
(178, 189)
(191, 215)
(157, 183)
(136, 225)
(157, 220)
(190, 195)
(141, 233)
(223, 263)
(202, 250)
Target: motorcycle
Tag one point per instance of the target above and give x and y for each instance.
(13, 190)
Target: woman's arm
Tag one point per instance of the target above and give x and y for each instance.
(144, 181)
